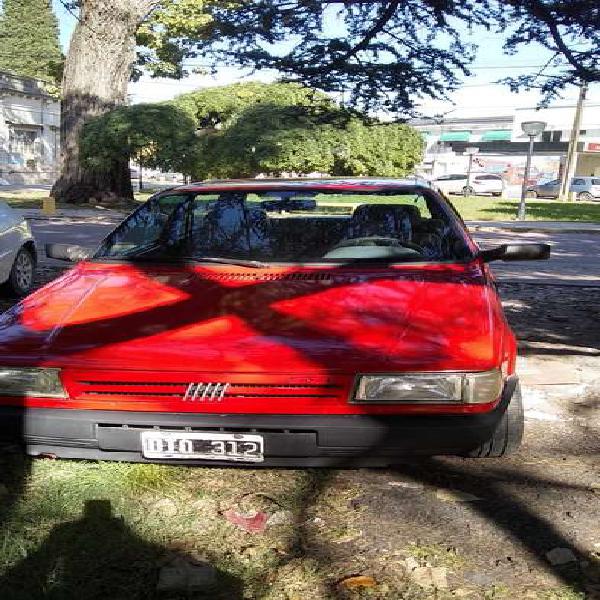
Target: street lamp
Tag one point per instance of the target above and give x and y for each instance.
(531, 129)
(470, 152)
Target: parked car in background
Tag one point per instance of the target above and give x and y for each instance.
(478, 183)
(208, 330)
(17, 252)
(585, 188)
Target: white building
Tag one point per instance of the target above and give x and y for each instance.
(29, 131)
(502, 146)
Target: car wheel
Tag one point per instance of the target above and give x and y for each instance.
(584, 196)
(496, 194)
(507, 437)
(468, 191)
(20, 281)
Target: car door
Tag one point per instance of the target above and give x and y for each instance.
(454, 184)
(578, 185)
(487, 183)
(549, 189)
(9, 239)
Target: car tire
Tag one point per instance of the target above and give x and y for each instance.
(586, 196)
(20, 280)
(468, 191)
(507, 436)
(496, 194)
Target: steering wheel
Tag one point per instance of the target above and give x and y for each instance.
(377, 241)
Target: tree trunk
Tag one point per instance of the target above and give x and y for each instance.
(97, 70)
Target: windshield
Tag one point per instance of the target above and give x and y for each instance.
(298, 226)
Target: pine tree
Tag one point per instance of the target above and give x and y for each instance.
(29, 42)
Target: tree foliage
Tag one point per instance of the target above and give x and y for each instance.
(29, 39)
(569, 29)
(157, 135)
(252, 128)
(169, 36)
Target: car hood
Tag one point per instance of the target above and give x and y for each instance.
(235, 319)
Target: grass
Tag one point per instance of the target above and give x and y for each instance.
(485, 208)
(24, 198)
(438, 555)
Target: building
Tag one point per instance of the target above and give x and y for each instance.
(29, 131)
(501, 146)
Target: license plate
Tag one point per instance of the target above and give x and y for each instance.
(238, 447)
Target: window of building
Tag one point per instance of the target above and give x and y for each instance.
(24, 141)
(556, 135)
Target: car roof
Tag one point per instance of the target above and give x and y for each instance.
(325, 183)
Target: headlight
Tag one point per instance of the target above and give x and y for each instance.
(31, 382)
(430, 388)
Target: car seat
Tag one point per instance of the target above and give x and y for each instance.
(380, 220)
(232, 227)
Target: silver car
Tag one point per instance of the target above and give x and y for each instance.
(17, 252)
(477, 183)
(584, 188)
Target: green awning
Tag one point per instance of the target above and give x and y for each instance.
(498, 135)
(455, 136)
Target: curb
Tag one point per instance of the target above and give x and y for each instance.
(532, 229)
(511, 280)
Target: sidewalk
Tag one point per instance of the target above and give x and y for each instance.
(74, 214)
(536, 226)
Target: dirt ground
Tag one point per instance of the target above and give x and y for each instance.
(527, 526)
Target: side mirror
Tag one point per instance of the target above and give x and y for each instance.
(67, 252)
(510, 252)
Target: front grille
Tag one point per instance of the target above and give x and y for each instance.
(295, 276)
(179, 390)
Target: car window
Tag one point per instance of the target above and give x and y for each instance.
(578, 182)
(595, 181)
(143, 228)
(457, 177)
(488, 177)
(305, 226)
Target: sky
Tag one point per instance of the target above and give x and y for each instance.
(478, 96)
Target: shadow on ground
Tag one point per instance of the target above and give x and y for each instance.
(98, 556)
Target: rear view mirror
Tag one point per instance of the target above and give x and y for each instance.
(510, 252)
(68, 252)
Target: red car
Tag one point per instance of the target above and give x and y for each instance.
(312, 322)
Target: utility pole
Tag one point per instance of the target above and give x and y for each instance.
(571, 160)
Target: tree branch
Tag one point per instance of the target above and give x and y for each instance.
(544, 14)
(386, 14)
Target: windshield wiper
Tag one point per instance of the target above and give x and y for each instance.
(240, 262)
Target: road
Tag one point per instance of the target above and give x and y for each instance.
(575, 256)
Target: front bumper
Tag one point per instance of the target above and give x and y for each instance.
(290, 440)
